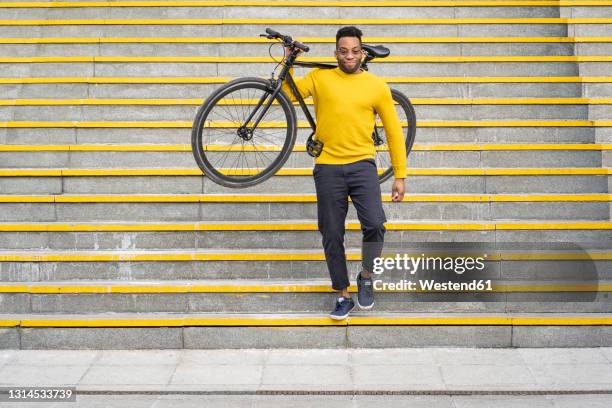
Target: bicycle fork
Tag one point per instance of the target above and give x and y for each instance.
(245, 132)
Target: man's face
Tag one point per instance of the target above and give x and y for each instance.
(348, 54)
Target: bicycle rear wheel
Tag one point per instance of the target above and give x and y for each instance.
(407, 118)
(227, 148)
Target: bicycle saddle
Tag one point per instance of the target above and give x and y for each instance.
(376, 51)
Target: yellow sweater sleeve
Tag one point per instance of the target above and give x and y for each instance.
(304, 85)
(385, 107)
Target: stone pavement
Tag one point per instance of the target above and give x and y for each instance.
(351, 373)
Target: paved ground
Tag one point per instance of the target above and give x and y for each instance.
(580, 401)
(552, 371)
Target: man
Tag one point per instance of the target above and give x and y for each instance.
(346, 100)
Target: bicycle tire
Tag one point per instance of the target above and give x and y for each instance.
(407, 114)
(214, 115)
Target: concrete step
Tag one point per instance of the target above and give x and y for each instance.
(255, 211)
(483, 159)
(286, 286)
(330, 10)
(416, 160)
(577, 12)
(421, 88)
(74, 135)
(270, 10)
(512, 123)
(593, 49)
(238, 296)
(296, 27)
(200, 91)
(300, 147)
(319, 303)
(417, 184)
(222, 43)
(207, 69)
(588, 30)
(187, 111)
(270, 265)
(229, 49)
(599, 112)
(264, 264)
(593, 69)
(531, 262)
(300, 234)
(174, 330)
(417, 102)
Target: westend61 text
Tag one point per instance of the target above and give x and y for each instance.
(432, 285)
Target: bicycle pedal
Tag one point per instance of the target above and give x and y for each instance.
(313, 147)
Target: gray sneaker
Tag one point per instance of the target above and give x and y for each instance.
(365, 292)
(342, 309)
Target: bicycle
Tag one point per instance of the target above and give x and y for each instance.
(264, 136)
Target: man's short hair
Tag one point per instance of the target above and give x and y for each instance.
(349, 31)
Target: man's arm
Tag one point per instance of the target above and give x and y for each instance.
(305, 85)
(385, 108)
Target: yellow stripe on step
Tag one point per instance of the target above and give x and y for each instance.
(246, 60)
(569, 171)
(303, 198)
(301, 124)
(304, 172)
(302, 226)
(144, 256)
(238, 320)
(302, 148)
(315, 40)
(298, 21)
(198, 101)
(306, 3)
(221, 80)
(89, 288)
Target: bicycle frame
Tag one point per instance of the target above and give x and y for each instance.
(277, 83)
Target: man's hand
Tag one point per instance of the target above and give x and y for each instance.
(398, 190)
(288, 52)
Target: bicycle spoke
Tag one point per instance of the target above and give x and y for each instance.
(262, 153)
(227, 154)
(237, 162)
(264, 138)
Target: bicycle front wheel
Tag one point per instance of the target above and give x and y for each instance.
(229, 148)
(407, 118)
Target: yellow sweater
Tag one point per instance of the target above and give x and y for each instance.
(345, 106)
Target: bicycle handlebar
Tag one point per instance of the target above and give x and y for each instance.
(287, 40)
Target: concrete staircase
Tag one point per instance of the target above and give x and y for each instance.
(110, 237)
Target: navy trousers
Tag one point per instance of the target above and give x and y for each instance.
(335, 183)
